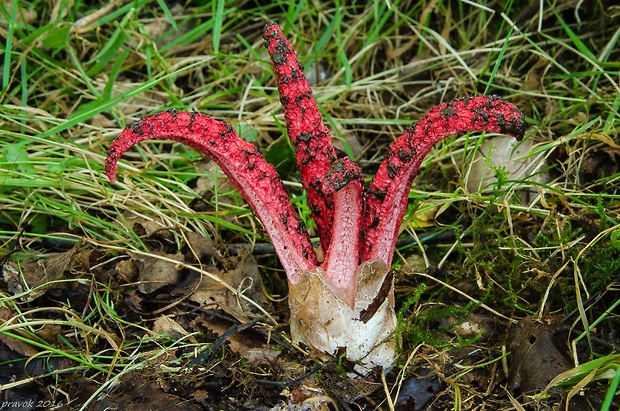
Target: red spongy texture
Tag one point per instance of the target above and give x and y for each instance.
(386, 199)
(310, 137)
(255, 179)
(353, 226)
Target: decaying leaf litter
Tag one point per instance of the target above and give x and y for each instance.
(496, 258)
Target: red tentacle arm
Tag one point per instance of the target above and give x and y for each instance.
(343, 184)
(310, 137)
(386, 199)
(255, 179)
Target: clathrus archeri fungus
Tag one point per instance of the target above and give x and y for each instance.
(346, 302)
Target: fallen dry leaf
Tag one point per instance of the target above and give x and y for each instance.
(242, 341)
(11, 343)
(201, 247)
(599, 163)
(417, 391)
(155, 272)
(536, 357)
(165, 325)
(245, 279)
(127, 270)
(147, 228)
(35, 277)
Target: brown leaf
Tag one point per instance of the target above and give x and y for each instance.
(243, 343)
(245, 279)
(167, 326)
(536, 357)
(49, 332)
(37, 276)
(534, 79)
(127, 270)
(201, 247)
(155, 272)
(147, 228)
(88, 258)
(600, 163)
(11, 343)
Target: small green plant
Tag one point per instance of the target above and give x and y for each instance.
(422, 327)
(601, 369)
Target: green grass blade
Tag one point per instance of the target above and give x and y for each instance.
(100, 107)
(6, 70)
(218, 17)
(168, 14)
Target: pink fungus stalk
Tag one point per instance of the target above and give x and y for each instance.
(345, 302)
